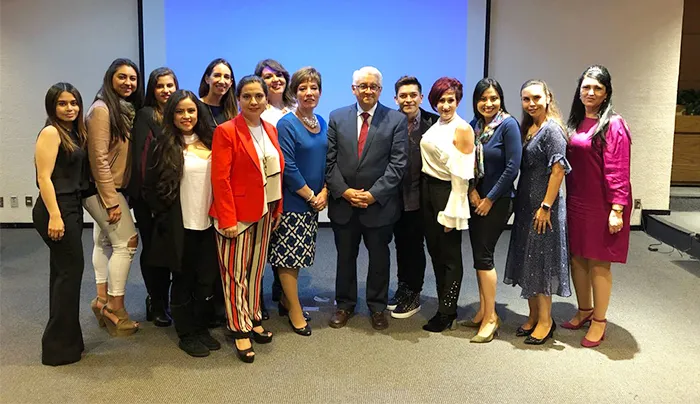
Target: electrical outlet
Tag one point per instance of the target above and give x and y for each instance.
(637, 203)
(29, 201)
(14, 203)
(2, 201)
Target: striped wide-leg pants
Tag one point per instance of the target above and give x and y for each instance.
(242, 264)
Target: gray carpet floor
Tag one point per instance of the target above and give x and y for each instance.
(651, 353)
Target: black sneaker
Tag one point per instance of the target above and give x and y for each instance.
(409, 306)
(210, 342)
(194, 347)
(400, 294)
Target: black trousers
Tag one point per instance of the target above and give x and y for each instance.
(445, 249)
(409, 233)
(62, 342)
(347, 244)
(157, 279)
(192, 285)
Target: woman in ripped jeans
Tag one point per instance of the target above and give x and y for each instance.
(109, 121)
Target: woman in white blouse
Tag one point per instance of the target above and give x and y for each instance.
(447, 151)
(177, 188)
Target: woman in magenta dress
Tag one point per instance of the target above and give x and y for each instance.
(599, 199)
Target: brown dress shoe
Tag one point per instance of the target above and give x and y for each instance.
(340, 318)
(379, 321)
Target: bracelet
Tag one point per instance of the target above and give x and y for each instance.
(618, 210)
(311, 197)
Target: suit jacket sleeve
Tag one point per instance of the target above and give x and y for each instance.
(386, 186)
(334, 178)
(222, 159)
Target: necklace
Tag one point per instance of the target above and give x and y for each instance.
(261, 145)
(310, 122)
(212, 114)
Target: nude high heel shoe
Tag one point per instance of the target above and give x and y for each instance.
(124, 326)
(97, 311)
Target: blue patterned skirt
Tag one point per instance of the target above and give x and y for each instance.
(293, 244)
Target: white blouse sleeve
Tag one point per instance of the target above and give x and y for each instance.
(461, 167)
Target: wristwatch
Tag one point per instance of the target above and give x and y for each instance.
(545, 207)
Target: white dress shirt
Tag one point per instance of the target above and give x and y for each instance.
(369, 119)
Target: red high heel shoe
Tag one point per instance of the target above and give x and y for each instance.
(586, 343)
(582, 323)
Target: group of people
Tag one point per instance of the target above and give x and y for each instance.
(232, 178)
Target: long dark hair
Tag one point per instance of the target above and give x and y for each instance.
(150, 100)
(605, 112)
(50, 103)
(228, 101)
(552, 112)
(169, 159)
(118, 127)
(483, 85)
(287, 96)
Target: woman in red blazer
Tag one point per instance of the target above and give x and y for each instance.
(246, 179)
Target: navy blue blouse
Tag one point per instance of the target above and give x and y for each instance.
(502, 154)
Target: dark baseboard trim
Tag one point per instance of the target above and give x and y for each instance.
(660, 212)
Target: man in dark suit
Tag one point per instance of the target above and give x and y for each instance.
(366, 162)
(409, 231)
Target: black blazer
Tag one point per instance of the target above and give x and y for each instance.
(379, 170)
(144, 132)
(427, 119)
(168, 236)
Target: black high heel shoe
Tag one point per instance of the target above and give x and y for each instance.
(284, 312)
(521, 332)
(157, 312)
(305, 331)
(530, 340)
(243, 353)
(441, 322)
(264, 338)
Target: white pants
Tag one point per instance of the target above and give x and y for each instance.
(111, 256)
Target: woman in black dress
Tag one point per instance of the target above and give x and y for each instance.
(215, 92)
(61, 175)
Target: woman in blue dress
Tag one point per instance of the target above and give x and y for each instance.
(538, 258)
(304, 143)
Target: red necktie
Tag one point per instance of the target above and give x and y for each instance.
(363, 133)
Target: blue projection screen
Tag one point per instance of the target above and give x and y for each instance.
(337, 37)
(399, 37)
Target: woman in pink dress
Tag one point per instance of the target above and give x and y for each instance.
(599, 199)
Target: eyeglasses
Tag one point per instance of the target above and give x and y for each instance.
(372, 87)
